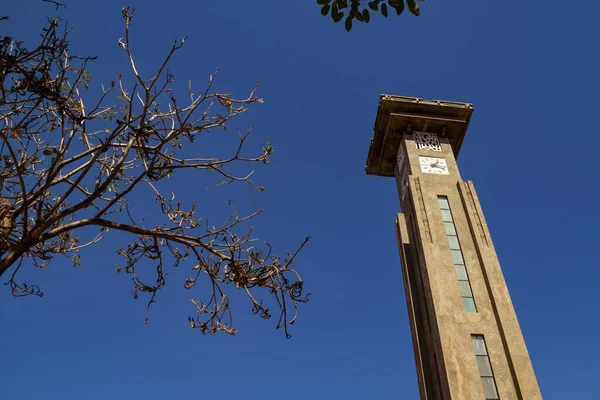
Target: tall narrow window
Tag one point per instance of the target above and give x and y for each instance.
(485, 368)
(459, 263)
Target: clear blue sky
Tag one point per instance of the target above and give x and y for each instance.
(531, 70)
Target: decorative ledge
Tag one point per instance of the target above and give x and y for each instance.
(399, 114)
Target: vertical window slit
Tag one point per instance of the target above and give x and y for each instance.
(485, 368)
(464, 285)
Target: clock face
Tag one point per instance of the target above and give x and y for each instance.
(433, 165)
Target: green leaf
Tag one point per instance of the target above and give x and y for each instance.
(384, 10)
(366, 15)
(336, 14)
(397, 5)
(48, 152)
(348, 24)
(359, 17)
(374, 5)
(413, 7)
(325, 9)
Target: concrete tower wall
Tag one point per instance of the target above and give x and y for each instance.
(466, 337)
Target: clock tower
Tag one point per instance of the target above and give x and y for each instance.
(466, 338)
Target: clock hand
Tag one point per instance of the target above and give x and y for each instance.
(437, 166)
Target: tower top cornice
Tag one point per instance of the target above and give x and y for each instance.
(397, 115)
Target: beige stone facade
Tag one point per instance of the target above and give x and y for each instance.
(416, 142)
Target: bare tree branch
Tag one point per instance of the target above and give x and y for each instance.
(56, 3)
(64, 172)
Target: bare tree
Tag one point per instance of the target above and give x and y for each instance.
(63, 172)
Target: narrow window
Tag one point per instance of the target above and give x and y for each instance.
(459, 263)
(485, 368)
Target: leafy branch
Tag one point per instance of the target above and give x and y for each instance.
(360, 10)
